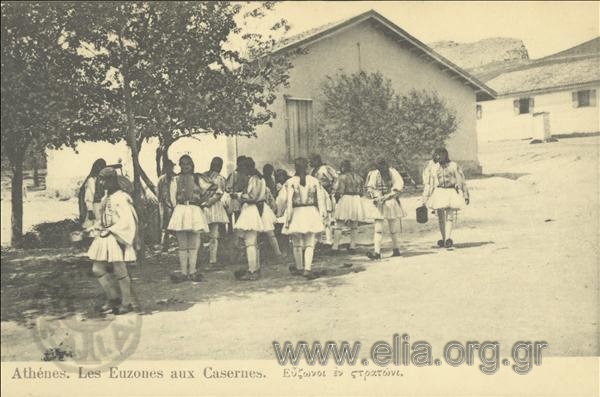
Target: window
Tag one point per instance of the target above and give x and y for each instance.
(478, 112)
(584, 98)
(523, 106)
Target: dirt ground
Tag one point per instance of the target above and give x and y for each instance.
(525, 267)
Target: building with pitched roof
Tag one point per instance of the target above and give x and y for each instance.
(562, 86)
(368, 42)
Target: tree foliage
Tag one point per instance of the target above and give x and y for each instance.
(362, 118)
(172, 72)
(45, 87)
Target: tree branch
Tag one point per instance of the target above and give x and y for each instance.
(148, 182)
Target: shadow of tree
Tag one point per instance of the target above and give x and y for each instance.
(58, 285)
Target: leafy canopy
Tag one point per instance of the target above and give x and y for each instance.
(362, 118)
(174, 59)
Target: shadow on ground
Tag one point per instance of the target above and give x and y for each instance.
(474, 244)
(59, 283)
(509, 175)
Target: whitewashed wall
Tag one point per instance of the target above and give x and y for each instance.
(67, 168)
(499, 122)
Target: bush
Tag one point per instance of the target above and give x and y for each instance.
(30, 240)
(58, 234)
(362, 119)
(51, 234)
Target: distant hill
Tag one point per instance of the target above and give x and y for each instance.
(485, 58)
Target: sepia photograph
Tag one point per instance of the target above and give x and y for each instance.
(300, 198)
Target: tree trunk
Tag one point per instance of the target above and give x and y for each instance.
(158, 159)
(165, 153)
(16, 195)
(36, 173)
(137, 183)
(162, 153)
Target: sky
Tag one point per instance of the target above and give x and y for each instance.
(545, 27)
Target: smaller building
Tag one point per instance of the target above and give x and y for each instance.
(564, 86)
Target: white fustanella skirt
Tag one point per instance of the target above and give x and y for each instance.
(188, 218)
(305, 220)
(107, 249)
(251, 220)
(390, 209)
(446, 198)
(216, 213)
(351, 208)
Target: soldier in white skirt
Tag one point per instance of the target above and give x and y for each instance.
(305, 215)
(255, 217)
(384, 185)
(189, 192)
(349, 208)
(89, 199)
(445, 191)
(165, 206)
(113, 245)
(215, 213)
(236, 183)
(327, 177)
(281, 177)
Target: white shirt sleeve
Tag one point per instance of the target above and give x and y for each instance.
(90, 190)
(126, 226)
(397, 180)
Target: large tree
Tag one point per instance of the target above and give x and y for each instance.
(173, 72)
(47, 89)
(362, 117)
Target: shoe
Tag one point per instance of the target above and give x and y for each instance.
(449, 243)
(123, 309)
(295, 271)
(111, 304)
(309, 275)
(249, 276)
(396, 252)
(373, 255)
(177, 277)
(196, 277)
(323, 246)
(441, 243)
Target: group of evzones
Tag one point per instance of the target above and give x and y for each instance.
(317, 202)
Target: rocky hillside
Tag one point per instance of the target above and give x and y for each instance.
(485, 58)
